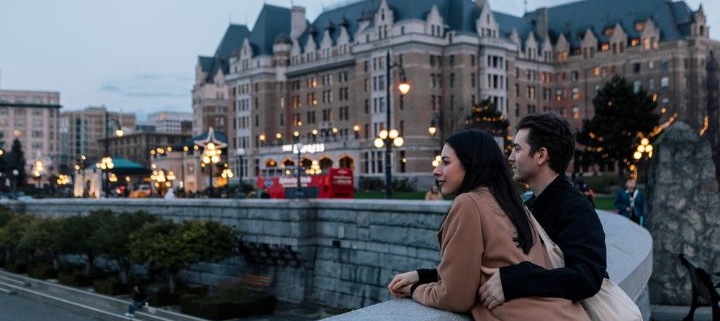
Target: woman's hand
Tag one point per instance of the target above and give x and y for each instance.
(400, 285)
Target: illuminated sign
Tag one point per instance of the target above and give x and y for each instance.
(305, 149)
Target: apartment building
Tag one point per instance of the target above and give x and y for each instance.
(86, 132)
(33, 118)
(171, 122)
(324, 83)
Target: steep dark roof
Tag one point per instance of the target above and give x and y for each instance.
(232, 40)
(507, 23)
(272, 21)
(459, 15)
(573, 19)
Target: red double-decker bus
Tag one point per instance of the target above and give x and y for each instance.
(336, 183)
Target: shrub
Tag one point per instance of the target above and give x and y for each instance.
(110, 286)
(229, 305)
(603, 183)
(42, 271)
(17, 267)
(76, 279)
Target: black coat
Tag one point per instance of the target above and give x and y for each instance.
(571, 221)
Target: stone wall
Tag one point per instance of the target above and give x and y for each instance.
(684, 205)
(350, 248)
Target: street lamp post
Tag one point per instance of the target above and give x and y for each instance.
(227, 174)
(298, 150)
(642, 150)
(404, 88)
(106, 163)
(240, 152)
(212, 149)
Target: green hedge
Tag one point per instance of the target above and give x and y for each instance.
(228, 307)
(42, 271)
(111, 286)
(75, 279)
(16, 267)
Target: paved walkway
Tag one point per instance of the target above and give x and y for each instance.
(18, 308)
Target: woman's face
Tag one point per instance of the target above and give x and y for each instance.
(450, 172)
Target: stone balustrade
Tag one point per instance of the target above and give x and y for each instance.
(349, 249)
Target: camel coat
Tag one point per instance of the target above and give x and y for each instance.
(476, 232)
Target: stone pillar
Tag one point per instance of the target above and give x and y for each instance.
(683, 204)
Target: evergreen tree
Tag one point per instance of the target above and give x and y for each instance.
(16, 161)
(485, 116)
(622, 116)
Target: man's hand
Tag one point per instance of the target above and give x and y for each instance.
(400, 285)
(491, 293)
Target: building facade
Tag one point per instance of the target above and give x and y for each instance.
(325, 83)
(33, 118)
(171, 122)
(86, 132)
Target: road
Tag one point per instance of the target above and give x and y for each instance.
(17, 308)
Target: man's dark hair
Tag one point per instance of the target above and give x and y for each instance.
(552, 132)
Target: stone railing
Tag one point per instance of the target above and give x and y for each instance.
(629, 249)
(349, 249)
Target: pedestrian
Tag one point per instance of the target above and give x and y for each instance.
(433, 194)
(585, 189)
(486, 225)
(630, 203)
(139, 298)
(542, 149)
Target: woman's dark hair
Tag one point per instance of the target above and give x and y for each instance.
(485, 165)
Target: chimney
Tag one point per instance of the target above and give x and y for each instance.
(541, 23)
(297, 21)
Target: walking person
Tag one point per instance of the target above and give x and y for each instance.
(486, 225)
(630, 203)
(433, 194)
(543, 147)
(139, 298)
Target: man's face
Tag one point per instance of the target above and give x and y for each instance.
(630, 185)
(523, 164)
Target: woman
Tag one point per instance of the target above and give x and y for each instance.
(433, 194)
(485, 226)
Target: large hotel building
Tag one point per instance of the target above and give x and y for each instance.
(324, 82)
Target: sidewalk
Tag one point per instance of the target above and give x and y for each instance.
(102, 307)
(677, 313)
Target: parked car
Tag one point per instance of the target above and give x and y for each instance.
(143, 190)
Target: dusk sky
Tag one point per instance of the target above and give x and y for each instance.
(139, 56)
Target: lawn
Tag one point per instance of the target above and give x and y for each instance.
(602, 202)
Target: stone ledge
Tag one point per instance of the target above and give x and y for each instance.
(629, 249)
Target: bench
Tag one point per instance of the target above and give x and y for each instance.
(253, 282)
(704, 292)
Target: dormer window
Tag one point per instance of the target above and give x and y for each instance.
(639, 26)
(609, 31)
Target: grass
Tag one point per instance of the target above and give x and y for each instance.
(605, 203)
(395, 195)
(602, 202)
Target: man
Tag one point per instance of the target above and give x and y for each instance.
(630, 203)
(543, 148)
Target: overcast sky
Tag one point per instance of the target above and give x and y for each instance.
(139, 56)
